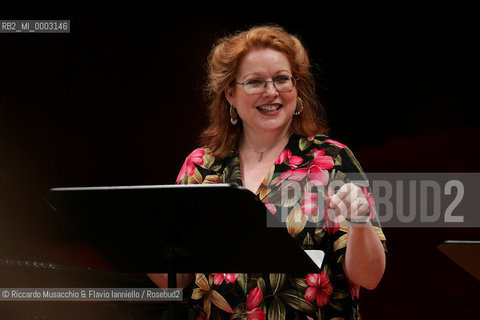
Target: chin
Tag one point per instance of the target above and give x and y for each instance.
(273, 125)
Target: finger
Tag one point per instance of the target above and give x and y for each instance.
(327, 201)
(339, 207)
(353, 202)
(359, 207)
(350, 193)
(343, 195)
(343, 191)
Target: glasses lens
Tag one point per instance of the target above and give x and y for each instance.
(284, 83)
(254, 85)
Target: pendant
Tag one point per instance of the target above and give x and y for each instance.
(260, 156)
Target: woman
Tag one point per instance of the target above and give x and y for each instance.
(267, 128)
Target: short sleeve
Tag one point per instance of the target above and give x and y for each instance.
(189, 173)
(199, 167)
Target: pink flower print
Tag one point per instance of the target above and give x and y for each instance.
(296, 175)
(295, 161)
(287, 155)
(270, 207)
(316, 171)
(371, 202)
(310, 203)
(196, 157)
(228, 277)
(253, 300)
(283, 156)
(201, 316)
(320, 288)
(354, 289)
(331, 224)
(338, 144)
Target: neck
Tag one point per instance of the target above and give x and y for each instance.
(261, 144)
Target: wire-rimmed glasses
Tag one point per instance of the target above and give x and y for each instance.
(259, 85)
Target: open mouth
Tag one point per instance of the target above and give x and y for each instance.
(269, 108)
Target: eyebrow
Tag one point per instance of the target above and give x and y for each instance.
(259, 74)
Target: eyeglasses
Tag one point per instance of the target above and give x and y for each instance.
(281, 84)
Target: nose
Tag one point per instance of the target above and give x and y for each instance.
(270, 89)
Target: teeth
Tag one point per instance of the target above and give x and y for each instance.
(269, 108)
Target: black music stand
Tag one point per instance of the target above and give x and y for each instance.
(464, 253)
(180, 229)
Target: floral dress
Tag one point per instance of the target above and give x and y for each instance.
(310, 161)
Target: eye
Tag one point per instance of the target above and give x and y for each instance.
(282, 80)
(254, 82)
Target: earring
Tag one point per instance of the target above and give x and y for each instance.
(299, 107)
(233, 115)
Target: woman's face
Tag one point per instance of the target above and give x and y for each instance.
(269, 110)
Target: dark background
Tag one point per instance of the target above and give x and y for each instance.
(118, 101)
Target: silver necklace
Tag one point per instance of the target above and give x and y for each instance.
(260, 153)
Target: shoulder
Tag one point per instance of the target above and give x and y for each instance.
(324, 147)
(203, 157)
(199, 156)
(343, 157)
(316, 143)
(200, 159)
(324, 141)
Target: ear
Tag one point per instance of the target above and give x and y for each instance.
(230, 94)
